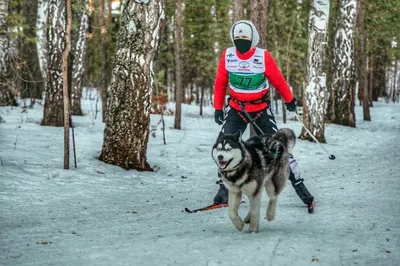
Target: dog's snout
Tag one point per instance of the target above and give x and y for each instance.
(220, 157)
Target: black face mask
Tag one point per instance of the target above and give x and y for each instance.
(242, 45)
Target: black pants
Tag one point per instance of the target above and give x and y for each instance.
(236, 120)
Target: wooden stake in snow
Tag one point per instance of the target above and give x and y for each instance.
(65, 83)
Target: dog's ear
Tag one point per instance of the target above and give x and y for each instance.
(238, 135)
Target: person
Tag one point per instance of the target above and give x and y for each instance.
(248, 71)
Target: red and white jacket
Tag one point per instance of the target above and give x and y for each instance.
(271, 71)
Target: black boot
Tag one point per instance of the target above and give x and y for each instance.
(222, 194)
(302, 192)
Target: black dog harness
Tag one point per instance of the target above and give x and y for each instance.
(246, 117)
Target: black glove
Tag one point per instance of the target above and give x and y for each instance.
(219, 117)
(291, 106)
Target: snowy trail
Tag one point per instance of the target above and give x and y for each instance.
(100, 214)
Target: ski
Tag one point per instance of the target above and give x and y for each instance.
(209, 207)
(311, 207)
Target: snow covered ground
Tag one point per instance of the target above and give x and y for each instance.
(100, 214)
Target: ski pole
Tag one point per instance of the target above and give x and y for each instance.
(332, 157)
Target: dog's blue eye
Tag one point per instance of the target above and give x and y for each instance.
(218, 149)
(229, 149)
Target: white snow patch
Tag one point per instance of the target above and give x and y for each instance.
(99, 214)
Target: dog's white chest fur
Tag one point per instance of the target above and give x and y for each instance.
(240, 185)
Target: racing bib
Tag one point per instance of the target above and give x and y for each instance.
(246, 76)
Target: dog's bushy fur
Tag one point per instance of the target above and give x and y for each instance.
(248, 166)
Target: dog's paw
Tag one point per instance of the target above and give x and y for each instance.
(270, 217)
(253, 229)
(247, 219)
(238, 224)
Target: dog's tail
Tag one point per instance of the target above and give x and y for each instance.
(287, 137)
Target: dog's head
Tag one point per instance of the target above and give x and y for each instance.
(227, 151)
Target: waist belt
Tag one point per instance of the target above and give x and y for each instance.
(264, 99)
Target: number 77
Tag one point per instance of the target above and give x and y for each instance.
(242, 80)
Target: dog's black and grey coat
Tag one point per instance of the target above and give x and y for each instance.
(247, 166)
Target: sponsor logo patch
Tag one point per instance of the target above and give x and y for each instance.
(256, 61)
(244, 64)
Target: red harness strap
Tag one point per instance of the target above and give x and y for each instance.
(246, 120)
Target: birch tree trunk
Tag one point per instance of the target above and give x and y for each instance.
(396, 78)
(78, 55)
(53, 106)
(4, 43)
(178, 66)
(42, 47)
(32, 83)
(129, 97)
(6, 94)
(342, 97)
(362, 61)
(315, 96)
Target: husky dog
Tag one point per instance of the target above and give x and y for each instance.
(248, 166)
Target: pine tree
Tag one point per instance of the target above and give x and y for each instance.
(199, 42)
(237, 9)
(31, 82)
(178, 66)
(361, 62)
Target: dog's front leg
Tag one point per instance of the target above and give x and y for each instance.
(234, 203)
(253, 217)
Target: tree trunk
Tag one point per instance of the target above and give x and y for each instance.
(258, 13)
(342, 98)
(178, 66)
(42, 46)
(4, 38)
(78, 52)
(53, 106)
(380, 59)
(370, 80)
(362, 62)
(201, 99)
(64, 68)
(237, 10)
(32, 83)
(395, 85)
(197, 93)
(109, 15)
(128, 106)
(6, 94)
(259, 16)
(315, 96)
(104, 56)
